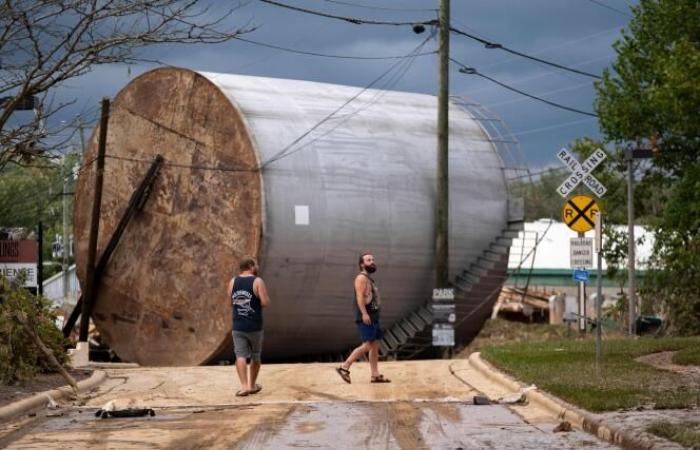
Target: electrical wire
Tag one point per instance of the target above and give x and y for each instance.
(611, 8)
(552, 127)
(390, 84)
(353, 20)
(183, 166)
(494, 45)
(326, 55)
(380, 8)
(282, 152)
(472, 71)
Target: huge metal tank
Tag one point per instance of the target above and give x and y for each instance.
(364, 179)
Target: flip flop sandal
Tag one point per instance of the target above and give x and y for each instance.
(242, 393)
(380, 379)
(344, 374)
(255, 390)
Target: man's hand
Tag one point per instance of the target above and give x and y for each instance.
(366, 319)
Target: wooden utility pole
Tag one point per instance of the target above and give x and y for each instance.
(40, 260)
(442, 204)
(89, 294)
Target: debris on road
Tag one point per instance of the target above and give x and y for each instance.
(564, 426)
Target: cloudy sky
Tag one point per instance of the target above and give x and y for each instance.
(576, 33)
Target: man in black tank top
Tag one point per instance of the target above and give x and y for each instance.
(367, 305)
(248, 295)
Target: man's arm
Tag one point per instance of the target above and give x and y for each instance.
(360, 288)
(261, 291)
(230, 289)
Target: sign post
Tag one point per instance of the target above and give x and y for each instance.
(599, 295)
(444, 317)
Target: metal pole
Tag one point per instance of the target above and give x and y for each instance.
(442, 203)
(94, 224)
(632, 282)
(599, 295)
(64, 246)
(82, 137)
(40, 260)
(582, 301)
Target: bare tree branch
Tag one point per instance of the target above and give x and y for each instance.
(44, 43)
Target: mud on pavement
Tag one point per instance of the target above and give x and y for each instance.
(301, 406)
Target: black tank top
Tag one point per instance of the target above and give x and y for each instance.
(372, 307)
(246, 306)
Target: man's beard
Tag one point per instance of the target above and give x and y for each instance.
(371, 268)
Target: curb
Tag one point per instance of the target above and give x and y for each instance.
(39, 400)
(564, 411)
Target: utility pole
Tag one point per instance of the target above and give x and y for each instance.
(599, 295)
(89, 294)
(81, 133)
(40, 260)
(64, 246)
(632, 279)
(442, 204)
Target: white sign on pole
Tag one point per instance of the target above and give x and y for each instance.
(12, 271)
(443, 335)
(581, 172)
(446, 294)
(581, 253)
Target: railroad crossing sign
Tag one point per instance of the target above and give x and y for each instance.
(579, 213)
(581, 172)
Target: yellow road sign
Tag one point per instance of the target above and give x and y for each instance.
(579, 213)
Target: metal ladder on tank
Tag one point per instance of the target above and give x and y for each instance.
(476, 289)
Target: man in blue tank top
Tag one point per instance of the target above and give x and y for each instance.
(366, 303)
(248, 296)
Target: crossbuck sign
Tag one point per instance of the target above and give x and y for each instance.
(581, 172)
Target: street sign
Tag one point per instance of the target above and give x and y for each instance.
(581, 253)
(581, 172)
(443, 335)
(444, 313)
(580, 275)
(579, 213)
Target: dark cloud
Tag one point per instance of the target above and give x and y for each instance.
(573, 32)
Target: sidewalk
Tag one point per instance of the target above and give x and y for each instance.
(623, 428)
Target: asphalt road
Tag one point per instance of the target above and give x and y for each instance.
(428, 405)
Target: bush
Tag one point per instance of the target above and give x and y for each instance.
(20, 359)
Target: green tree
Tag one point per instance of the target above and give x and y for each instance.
(32, 194)
(651, 97)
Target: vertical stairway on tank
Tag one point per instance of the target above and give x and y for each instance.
(476, 289)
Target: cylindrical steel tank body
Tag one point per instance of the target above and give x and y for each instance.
(264, 166)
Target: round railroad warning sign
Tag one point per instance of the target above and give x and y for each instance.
(579, 213)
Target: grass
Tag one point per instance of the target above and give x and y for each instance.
(689, 356)
(686, 434)
(567, 369)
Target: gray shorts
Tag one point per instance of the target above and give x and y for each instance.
(248, 344)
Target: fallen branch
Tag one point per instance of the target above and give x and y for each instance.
(49, 354)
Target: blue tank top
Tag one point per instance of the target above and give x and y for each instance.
(246, 306)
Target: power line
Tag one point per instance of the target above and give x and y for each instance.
(282, 152)
(390, 84)
(381, 8)
(611, 8)
(353, 20)
(552, 127)
(183, 166)
(326, 55)
(553, 91)
(487, 43)
(472, 71)
(494, 45)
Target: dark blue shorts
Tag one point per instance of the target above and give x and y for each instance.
(372, 332)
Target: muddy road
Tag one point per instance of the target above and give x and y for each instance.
(428, 405)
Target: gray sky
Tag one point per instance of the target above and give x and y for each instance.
(576, 33)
